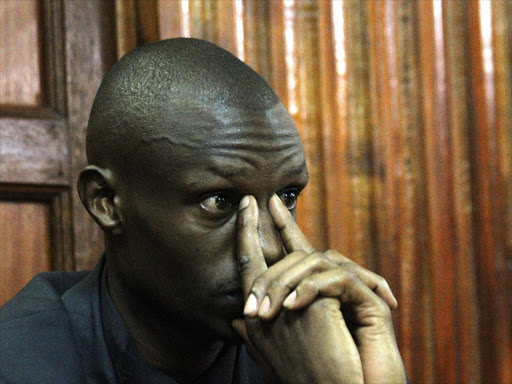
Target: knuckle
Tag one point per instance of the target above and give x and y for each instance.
(286, 226)
(275, 285)
(334, 256)
(381, 282)
(298, 253)
(318, 261)
(259, 284)
(324, 304)
(308, 285)
(279, 284)
(244, 263)
(347, 276)
(383, 308)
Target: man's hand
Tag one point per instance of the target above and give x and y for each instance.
(336, 324)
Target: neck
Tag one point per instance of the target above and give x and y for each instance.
(180, 352)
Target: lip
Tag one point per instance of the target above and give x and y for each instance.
(231, 302)
(230, 287)
(235, 294)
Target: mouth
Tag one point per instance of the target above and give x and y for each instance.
(231, 302)
(235, 294)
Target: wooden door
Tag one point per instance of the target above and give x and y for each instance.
(53, 55)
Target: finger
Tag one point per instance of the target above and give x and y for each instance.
(374, 281)
(240, 326)
(344, 285)
(283, 284)
(260, 285)
(291, 235)
(249, 255)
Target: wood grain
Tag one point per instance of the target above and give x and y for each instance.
(90, 51)
(34, 151)
(37, 178)
(20, 80)
(25, 246)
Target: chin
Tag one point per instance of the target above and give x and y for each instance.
(231, 336)
(208, 327)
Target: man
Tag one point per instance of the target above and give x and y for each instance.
(195, 169)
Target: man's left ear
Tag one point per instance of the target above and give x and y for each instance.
(98, 195)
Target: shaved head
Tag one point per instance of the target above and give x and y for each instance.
(179, 132)
(176, 85)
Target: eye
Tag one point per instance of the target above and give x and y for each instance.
(289, 198)
(218, 204)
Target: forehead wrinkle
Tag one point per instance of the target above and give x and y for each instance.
(254, 141)
(254, 160)
(167, 139)
(227, 172)
(194, 126)
(259, 147)
(224, 146)
(233, 169)
(260, 140)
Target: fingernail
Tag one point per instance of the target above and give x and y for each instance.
(243, 203)
(290, 300)
(265, 306)
(251, 306)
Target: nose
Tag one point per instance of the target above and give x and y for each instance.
(270, 241)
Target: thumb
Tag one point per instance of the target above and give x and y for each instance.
(240, 327)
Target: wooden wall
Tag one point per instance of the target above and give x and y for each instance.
(53, 55)
(405, 110)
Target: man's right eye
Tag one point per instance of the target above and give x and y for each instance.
(217, 204)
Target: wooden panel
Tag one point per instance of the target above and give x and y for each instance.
(24, 244)
(489, 198)
(20, 81)
(455, 16)
(136, 24)
(170, 19)
(90, 52)
(256, 36)
(33, 151)
(402, 244)
(304, 60)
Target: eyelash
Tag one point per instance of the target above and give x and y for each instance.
(211, 202)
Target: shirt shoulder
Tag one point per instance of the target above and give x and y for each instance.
(42, 294)
(36, 338)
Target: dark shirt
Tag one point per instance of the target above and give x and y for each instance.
(64, 328)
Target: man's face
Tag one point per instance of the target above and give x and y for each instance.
(180, 206)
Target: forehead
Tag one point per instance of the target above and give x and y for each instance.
(227, 142)
(193, 126)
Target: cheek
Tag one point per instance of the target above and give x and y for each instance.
(193, 244)
(216, 244)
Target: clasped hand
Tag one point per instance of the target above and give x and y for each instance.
(313, 317)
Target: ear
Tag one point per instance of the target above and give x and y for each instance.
(96, 190)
